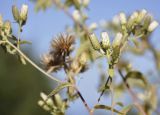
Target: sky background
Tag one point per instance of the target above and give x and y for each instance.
(41, 27)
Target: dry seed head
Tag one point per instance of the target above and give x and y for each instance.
(62, 45)
(153, 25)
(94, 41)
(105, 40)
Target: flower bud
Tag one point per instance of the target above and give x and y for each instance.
(49, 102)
(105, 40)
(15, 13)
(141, 15)
(7, 27)
(93, 26)
(132, 20)
(85, 2)
(94, 41)
(83, 59)
(147, 21)
(122, 18)
(117, 40)
(116, 20)
(76, 15)
(40, 103)
(45, 107)
(43, 96)
(153, 25)
(23, 13)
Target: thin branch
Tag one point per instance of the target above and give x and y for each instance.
(83, 100)
(32, 63)
(106, 85)
(133, 95)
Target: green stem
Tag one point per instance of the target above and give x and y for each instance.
(19, 32)
(32, 63)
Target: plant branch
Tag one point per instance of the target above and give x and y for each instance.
(133, 95)
(83, 100)
(32, 63)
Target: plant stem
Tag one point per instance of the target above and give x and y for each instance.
(83, 100)
(134, 97)
(32, 63)
(106, 84)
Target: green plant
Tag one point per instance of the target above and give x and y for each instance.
(135, 28)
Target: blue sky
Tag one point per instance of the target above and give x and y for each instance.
(41, 27)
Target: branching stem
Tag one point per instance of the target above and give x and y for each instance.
(32, 63)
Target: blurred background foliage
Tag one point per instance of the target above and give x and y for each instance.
(19, 87)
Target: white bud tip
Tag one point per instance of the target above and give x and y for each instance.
(144, 12)
(134, 15)
(117, 39)
(40, 103)
(50, 102)
(105, 38)
(122, 18)
(93, 26)
(43, 95)
(153, 25)
(76, 15)
(86, 2)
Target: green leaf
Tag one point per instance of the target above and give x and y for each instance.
(25, 42)
(136, 75)
(60, 87)
(126, 109)
(107, 108)
(119, 104)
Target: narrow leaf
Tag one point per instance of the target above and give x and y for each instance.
(136, 75)
(60, 87)
(107, 108)
(126, 109)
(25, 42)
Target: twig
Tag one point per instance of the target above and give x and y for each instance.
(133, 95)
(83, 100)
(32, 63)
(106, 84)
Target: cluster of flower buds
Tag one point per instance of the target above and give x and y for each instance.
(77, 3)
(138, 21)
(20, 16)
(5, 27)
(112, 51)
(105, 44)
(55, 105)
